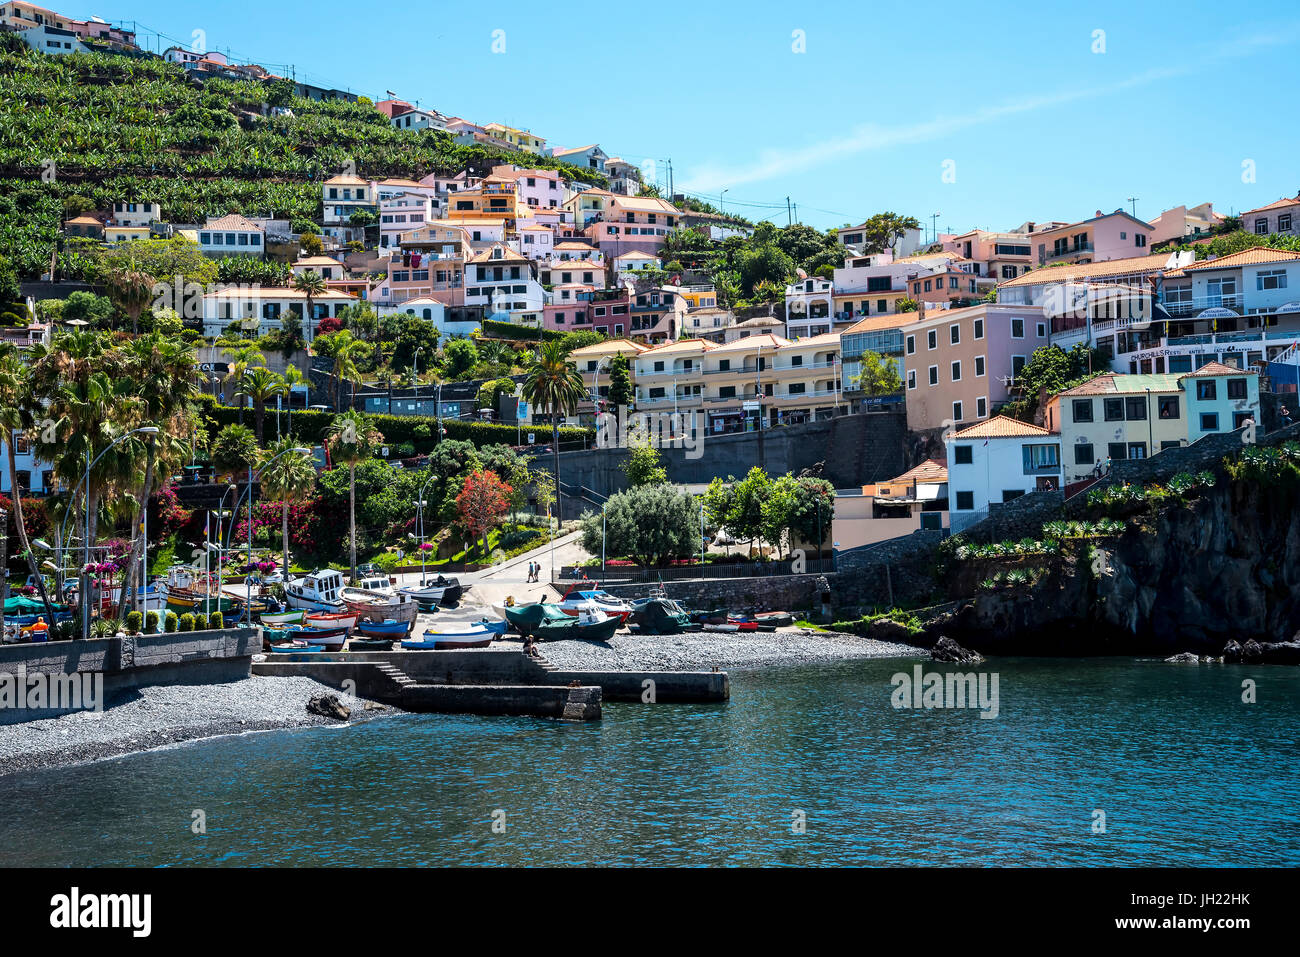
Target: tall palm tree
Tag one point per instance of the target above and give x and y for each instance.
(242, 358)
(553, 384)
(131, 289)
(351, 439)
(311, 284)
(14, 417)
(287, 477)
(292, 377)
(261, 385)
(345, 350)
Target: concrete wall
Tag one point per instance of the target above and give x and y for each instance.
(854, 450)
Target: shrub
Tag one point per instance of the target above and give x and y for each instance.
(170, 622)
(133, 622)
(151, 622)
(200, 622)
(187, 622)
(216, 620)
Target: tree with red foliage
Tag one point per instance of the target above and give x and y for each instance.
(328, 325)
(482, 502)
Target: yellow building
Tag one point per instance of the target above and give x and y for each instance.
(520, 138)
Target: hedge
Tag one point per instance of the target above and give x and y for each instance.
(420, 430)
(496, 329)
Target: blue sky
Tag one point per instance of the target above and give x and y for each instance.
(1025, 118)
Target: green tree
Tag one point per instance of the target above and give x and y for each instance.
(879, 375)
(460, 356)
(653, 524)
(311, 284)
(620, 383)
(883, 231)
(234, 451)
(131, 290)
(644, 466)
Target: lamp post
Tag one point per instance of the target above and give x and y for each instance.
(419, 504)
(602, 537)
(207, 585)
(248, 493)
(90, 464)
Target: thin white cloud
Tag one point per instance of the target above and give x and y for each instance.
(777, 162)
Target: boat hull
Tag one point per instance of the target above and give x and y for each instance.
(383, 629)
(579, 630)
(282, 618)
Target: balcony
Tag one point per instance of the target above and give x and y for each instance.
(1190, 307)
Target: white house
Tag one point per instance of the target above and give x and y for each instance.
(433, 312)
(536, 241)
(401, 213)
(136, 214)
(341, 196)
(266, 306)
(635, 262)
(418, 119)
(232, 235)
(52, 40)
(591, 157)
(34, 475)
(502, 281)
(998, 460)
(326, 267)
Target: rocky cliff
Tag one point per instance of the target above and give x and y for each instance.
(1223, 567)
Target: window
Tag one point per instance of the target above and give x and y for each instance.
(965, 501)
(1284, 223)
(1167, 406)
(1170, 444)
(1270, 279)
(727, 392)
(954, 334)
(911, 345)
(1083, 454)
(956, 371)
(724, 365)
(1135, 408)
(1017, 328)
(1082, 410)
(979, 328)
(979, 367)
(1236, 388)
(956, 412)
(1011, 494)
(1209, 422)
(934, 375)
(1040, 457)
(963, 454)
(1113, 410)
(1137, 450)
(1261, 226)
(1207, 390)
(659, 366)
(1042, 330)
(932, 339)
(1139, 239)
(1241, 418)
(981, 407)
(1018, 363)
(1116, 450)
(796, 388)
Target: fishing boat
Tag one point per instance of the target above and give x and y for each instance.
(576, 600)
(316, 591)
(328, 620)
(660, 616)
(730, 626)
(380, 605)
(767, 620)
(525, 618)
(388, 628)
(472, 637)
(297, 648)
(280, 618)
(438, 589)
(584, 626)
(331, 640)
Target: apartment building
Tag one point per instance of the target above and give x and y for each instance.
(1184, 223)
(631, 224)
(590, 157)
(266, 307)
(502, 281)
(1281, 216)
(593, 364)
(136, 214)
(1120, 417)
(1104, 237)
(400, 213)
(999, 256)
(760, 381)
(520, 139)
(958, 364)
(341, 196)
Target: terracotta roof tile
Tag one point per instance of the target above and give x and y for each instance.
(1255, 256)
(1002, 427)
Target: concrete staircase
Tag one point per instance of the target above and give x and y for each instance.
(397, 679)
(542, 663)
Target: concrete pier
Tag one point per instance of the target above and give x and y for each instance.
(496, 681)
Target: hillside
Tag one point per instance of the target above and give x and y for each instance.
(80, 132)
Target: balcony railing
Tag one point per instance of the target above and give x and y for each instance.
(1187, 307)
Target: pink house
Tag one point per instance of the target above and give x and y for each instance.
(1105, 237)
(632, 224)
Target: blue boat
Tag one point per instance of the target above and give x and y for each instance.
(297, 650)
(383, 629)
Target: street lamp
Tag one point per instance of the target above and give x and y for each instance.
(419, 504)
(248, 492)
(90, 464)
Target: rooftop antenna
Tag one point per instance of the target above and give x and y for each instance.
(1133, 202)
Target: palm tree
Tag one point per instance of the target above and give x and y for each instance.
(287, 476)
(553, 384)
(14, 417)
(351, 439)
(292, 377)
(242, 358)
(345, 350)
(260, 384)
(311, 284)
(131, 289)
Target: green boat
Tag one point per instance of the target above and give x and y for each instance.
(582, 627)
(525, 619)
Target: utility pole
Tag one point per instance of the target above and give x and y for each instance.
(670, 179)
(789, 216)
(1133, 201)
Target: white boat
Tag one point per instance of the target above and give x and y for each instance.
(328, 620)
(377, 605)
(576, 601)
(438, 588)
(317, 591)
